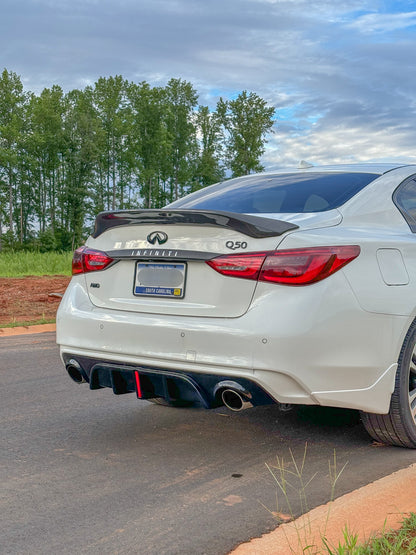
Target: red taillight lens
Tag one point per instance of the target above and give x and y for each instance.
(305, 266)
(246, 266)
(289, 267)
(77, 267)
(89, 260)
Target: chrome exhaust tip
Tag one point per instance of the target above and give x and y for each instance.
(75, 371)
(234, 400)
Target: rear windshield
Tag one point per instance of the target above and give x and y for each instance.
(284, 193)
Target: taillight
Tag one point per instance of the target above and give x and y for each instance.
(89, 260)
(239, 265)
(288, 267)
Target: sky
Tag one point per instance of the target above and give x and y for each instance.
(340, 73)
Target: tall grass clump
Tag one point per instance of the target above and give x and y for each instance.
(291, 477)
(28, 263)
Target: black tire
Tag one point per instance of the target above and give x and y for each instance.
(398, 426)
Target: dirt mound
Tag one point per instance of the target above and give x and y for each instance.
(31, 298)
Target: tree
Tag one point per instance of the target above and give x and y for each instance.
(246, 121)
(65, 157)
(80, 160)
(12, 106)
(45, 145)
(110, 104)
(209, 168)
(3, 196)
(149, 140)
(181, 100)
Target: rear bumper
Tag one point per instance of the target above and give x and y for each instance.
(334, 353)
(176, 388)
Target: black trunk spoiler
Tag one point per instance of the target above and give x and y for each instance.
(252, 226)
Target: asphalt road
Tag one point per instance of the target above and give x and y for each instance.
(89, 472)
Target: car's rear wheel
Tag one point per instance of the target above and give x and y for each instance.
(398, 426)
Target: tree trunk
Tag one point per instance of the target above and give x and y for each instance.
(113, 205)
(149, 202)
(10, 199)
(176, 187)
(21, 222)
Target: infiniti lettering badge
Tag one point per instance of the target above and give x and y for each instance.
(157, 237)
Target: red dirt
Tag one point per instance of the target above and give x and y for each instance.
(31, 298)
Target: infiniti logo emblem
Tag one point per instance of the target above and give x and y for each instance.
(157, 237)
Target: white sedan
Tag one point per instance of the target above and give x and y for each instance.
(291, 287)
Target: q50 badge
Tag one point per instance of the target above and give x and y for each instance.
(233, 245)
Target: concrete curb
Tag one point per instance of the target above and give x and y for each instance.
(367, 511)
(25, 330)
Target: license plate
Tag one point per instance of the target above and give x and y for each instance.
(159, 279)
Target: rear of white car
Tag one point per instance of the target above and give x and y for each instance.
(198, 305)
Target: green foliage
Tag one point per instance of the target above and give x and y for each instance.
(44, 145)
(209, 167)
(47, 241)
(150, 142)
(247, 120)
(12, 108)
(389, 542)
(8, 240)
(26, 263)
(113, 119)
(18, 324)
(81, 155)
(181, 100)
(113, 145)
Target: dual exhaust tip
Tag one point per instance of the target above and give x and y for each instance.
(75, 371)
(234, 400)
(231, 393)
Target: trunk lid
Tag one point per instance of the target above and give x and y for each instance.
(160, 260)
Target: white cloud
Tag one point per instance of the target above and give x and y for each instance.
(384, 22)
(341, 144)
(326, 67)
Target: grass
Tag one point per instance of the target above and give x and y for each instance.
(22, 263)
(291, 476)
(391, 542)
(296, 480)
(26, 323)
